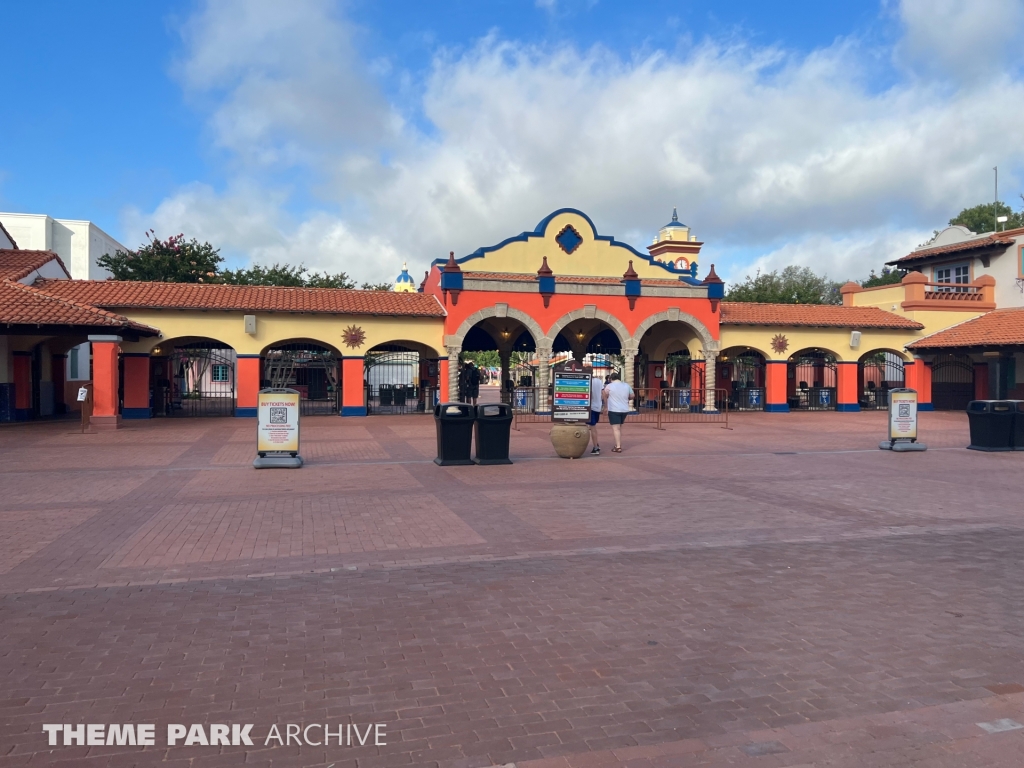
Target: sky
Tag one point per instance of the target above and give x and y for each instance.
(354, 136)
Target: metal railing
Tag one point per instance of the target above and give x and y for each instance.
(532, 405)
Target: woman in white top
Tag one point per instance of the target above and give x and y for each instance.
(617, 395)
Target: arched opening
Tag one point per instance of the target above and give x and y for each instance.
(952, 382)
(400, 377)
(192, 376)
(878, 371)
(811, 380)
(311, 368)
(670, 356)
(741, 374)
(503, 353)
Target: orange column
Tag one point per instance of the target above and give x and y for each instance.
(924, 386)
(775, 386)
(442, 381)
(136, 386)
(247, 386)
(353, 390)
(22, 363)
(105, 353)
(846, 386)
(910, 375)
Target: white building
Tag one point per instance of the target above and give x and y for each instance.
(78, 243)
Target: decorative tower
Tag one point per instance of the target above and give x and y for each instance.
(404, 282)
(676, 246)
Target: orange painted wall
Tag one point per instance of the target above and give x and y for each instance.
(924, 383)
(22, 364)
(105, 377)
(136, 382)
(846, 386)
(352, 389)
(442, 379)
(775, 383)
(248, 382)
(561, 304)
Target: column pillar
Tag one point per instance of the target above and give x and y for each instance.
(58, 367)
(105, 353)
(710, 378)
(353, 386)
(453, 372)
(543, 380)
(442, 380)
(136, 386)
(910, 371)
(924, 383)
(22, 365)
(846, 386)
(775, 389)
(629, 371)
(247, 386)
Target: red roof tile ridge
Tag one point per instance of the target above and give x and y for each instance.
(109, 316)
(27, 268)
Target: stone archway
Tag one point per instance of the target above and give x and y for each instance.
(674, 315)
(591, 312)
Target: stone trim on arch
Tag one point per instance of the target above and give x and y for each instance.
(498, 310)
(591, 312)
(674, 315)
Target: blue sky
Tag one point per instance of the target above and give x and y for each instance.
(357, 135)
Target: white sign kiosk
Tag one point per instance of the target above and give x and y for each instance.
(902, 422)
(277, 429)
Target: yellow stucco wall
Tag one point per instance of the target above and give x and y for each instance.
(834, 340)
(275, 327)
(891, 297)
(598, 258)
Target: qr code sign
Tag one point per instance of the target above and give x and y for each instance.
(278, 415)
(904, 410)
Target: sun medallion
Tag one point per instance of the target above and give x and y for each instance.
(780, 343)
(353, 336)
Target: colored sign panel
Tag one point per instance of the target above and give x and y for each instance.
(902, 414)
(571, 396)
(278, 421)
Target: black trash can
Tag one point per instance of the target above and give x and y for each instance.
(493, 427)
(991, 423)
(454, 424)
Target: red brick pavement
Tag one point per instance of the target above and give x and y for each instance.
(777, 594)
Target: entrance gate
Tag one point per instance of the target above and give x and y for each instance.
(880, 372)
(394, 384)
(812, 380)
(200, 381)
(309, 368)
(952, 382)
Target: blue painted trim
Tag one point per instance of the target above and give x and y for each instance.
(847, 407)
(450, 281)
(776, 407)
(353, 410)
(632, 287)
(542, 227)
(246, 413)
(847, 362)
(363, 357)
(22, 414)
(135, 354)
(136, 413)
(776, 362)
(926, 406)
(546, 284)
(241, 356)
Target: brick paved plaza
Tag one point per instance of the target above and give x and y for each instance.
(778, 594)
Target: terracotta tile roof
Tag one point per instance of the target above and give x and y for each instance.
(26, 305)
(1000, 327)
(249, 298)
(16, 263)
(989, 241)
(816, 315)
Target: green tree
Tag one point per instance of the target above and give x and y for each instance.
(487, 359)
(793, 285)
(169, 261)
(285, 275)
(982, 218)
(886, 277)
(376, 286)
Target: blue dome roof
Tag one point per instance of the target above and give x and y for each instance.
(405, 277)
(675, 220)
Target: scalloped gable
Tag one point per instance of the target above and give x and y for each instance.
(572, 245)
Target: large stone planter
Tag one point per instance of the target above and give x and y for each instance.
(570, 440)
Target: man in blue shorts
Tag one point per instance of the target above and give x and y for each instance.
(596, 405)
(618, 394)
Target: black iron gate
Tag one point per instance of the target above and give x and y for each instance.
(309, 368)
(880, 372)
(201, 383)
(816, 379)
(952, 382)
(393, 383)
(746, 384)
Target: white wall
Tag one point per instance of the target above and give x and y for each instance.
(78, 243)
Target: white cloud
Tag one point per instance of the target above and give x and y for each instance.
(763, 150)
